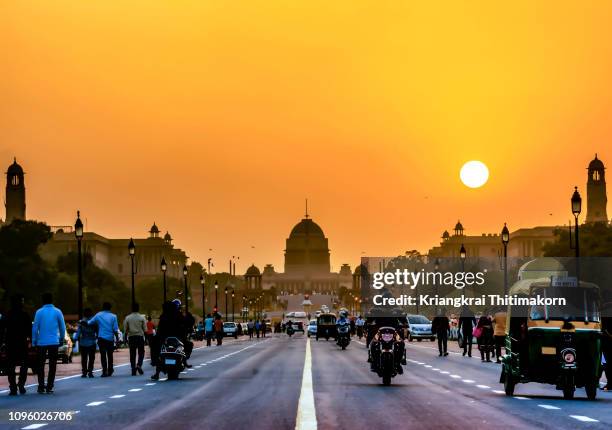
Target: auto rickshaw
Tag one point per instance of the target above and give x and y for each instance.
(553, 344)
(326, 326)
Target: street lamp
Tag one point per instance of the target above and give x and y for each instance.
(505, 237)
(78, 232)
(164, 268)
(185, 273)
(216, 296)
(203, 295)
(132, 252)
(244, 311)
(436, 268)
(225, 303)
(576, 209)
(463, 256)
(233, 305)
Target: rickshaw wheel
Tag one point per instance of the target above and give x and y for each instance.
(509, 385)
(591, 391)
(568, 393)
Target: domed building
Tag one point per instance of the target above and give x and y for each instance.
(307, 266)
(15, 193)
(597, 199)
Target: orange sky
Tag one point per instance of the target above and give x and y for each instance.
(216, 119)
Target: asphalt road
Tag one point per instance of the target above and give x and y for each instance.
(280, 382)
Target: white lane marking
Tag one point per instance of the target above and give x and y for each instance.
(133, 390)
(306, 418)
(436, 369)
(455, 376)
(584, 419)
(498, 392)
(549, 407)
(521, 398)
(150, 383)
(444, 372)
(117, 396)
(34, 426)
(484, 387)
(428, 366)
(95, 403)
(468, 381)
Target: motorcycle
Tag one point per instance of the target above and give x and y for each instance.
(344, 336)
(290, 330)
(387, 354)
(172, 357)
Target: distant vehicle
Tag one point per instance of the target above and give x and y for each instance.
(245, 328)
(419, 328)
(289, 314)
(299, 314)
(326, 326)
(230, 329)
(312, 328)
(64, 352)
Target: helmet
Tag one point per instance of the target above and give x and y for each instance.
(177, 303)
(343, 313)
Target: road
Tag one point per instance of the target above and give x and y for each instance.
(278, 382)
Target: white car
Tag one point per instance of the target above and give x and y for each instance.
(230, 329)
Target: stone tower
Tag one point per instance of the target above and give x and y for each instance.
(15, 193)
(596, 192)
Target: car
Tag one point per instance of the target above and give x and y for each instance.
(419, 328)
(312, 328)
(245, 328)
(64, 352)
(230, 329)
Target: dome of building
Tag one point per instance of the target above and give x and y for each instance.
(544, 267)
(253, 271)
(458, 226)
(306, 227)
(167, 237)
(445, 235)
(15, 169)
(596, 164)
(360, 270)
(154, 229)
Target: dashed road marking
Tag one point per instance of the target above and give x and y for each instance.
(484, 387)
(444, 372)
(584, 419)
(550, 407)
(34, 426)
(455, 376)
(117, 396)
(498, 392)
(133, 390)
(468, 381)
(150, 383)
(95, 403)
(306, 414)
(521, 398)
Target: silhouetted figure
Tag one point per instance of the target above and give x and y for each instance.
(171, 324)
(87, 336)
(134, 327)
(485, 338)
(440, 326)
(15, 334)
(467, 322)
(219, 329)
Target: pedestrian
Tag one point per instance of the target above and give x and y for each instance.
(440, 327)
(135, 327)
(263, 328)
(257, 328)
(219, 329)
(484, 335)
(499, 318)
(15, 334)
(250, 327)
(48, 333)
(606, 345)
(209, 329)
(467, 322)
(86, 335)
(150, 332)
(108, 333)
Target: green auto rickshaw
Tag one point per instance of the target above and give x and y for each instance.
(326, 326)
(556, 344)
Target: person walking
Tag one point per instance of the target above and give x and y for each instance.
(209, 329)
(257, 328)
(86, 335)
(484, 330)
(219, 329)
(134, 327)
(108, 333)
(499, 318)
(15, 334)
(48, 333)
(150, 331)
(263, 328)
(440, 327)
(606, 345)
(250, 327)
(467, 322)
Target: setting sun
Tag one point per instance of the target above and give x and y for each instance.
(474, 174)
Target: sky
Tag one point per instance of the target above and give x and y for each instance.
(217, 119)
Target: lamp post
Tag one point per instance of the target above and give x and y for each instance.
(505, 237)
(216, 296)
(233, 317)
(185, 273)
(202, 283)
(462, 257)
(244, 311)
(436, 268)
(225, 303)
(132, 252)
(576, 209)
(164, 268)
(78, 232)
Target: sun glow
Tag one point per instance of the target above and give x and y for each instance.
(474, 174)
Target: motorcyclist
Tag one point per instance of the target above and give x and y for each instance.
(289, 324)
(342, 321)
(386, 317)
(171, 324)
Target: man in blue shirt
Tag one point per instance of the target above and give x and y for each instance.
(48, 332)
(209, 330)
(108, 331)
(86, 335)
